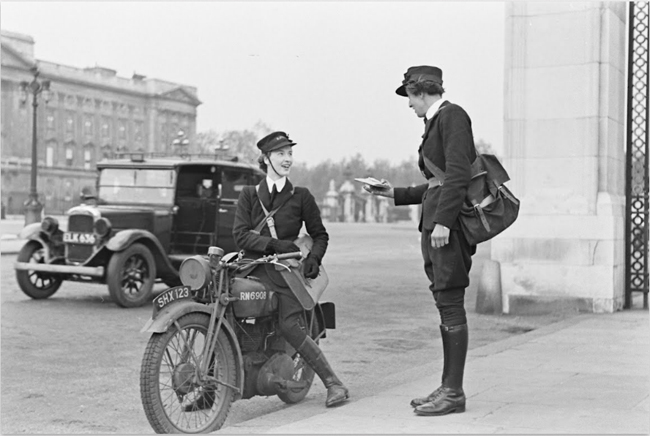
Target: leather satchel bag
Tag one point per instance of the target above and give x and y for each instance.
(307, 291)
(489, 207)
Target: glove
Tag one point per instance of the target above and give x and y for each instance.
(310, 268)
(279, 246)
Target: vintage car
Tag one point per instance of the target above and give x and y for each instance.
(147, 216)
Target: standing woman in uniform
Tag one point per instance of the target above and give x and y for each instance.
(296, 205)
(445, 158)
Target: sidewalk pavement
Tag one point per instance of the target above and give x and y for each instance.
(587, 374)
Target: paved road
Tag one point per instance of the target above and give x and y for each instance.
(70, 364)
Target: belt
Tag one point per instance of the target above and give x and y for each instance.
(434, 182)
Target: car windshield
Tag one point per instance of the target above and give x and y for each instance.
(137, 186)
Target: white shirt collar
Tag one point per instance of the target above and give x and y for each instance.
(434, 108)
(279, 183)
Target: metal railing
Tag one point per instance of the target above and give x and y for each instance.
(637, 207)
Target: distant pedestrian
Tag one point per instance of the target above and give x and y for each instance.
(447, 150)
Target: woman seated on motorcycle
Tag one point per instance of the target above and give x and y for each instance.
(296, 205)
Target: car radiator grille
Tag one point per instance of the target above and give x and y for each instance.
(79, 252)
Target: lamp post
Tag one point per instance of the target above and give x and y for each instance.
(221, 148)
(33, 207)
(181, 142)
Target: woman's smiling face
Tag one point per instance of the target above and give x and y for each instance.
(279, 161)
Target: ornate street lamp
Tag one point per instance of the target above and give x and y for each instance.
(221, 148)
(181, 142)
(33, 207)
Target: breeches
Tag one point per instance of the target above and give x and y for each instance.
(448, 271)
(290, 312)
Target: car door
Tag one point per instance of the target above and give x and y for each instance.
(231, 184)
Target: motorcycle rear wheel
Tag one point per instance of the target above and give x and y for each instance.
(166, 384)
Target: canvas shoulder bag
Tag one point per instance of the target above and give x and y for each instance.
(489, 207)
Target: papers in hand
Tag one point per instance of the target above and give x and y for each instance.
(372, 182)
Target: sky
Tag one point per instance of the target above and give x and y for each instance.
(324, 72)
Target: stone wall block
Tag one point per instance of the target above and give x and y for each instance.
(562, 39)
(556, 137)
(560, 185)
(570, 91)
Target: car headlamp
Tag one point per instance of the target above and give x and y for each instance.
(102, 227)
(49, 225)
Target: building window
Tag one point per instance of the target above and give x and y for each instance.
(69, 124)
(69, 155)
(88, 126)
(105, 127)
(138, 131)
(122, 130)
(87, 159)
(49, 156)
(49, 120)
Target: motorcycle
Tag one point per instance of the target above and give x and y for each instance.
(215, 340)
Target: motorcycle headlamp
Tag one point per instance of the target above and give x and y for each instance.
(49, 225)
(102, 227)
(195, 272)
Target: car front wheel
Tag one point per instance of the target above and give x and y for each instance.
(37, 285)
(130, 276)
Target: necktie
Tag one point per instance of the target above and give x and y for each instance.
(274, 193)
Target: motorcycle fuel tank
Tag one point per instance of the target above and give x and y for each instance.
(253, 298)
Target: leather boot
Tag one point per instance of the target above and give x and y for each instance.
(336, 392)
(450, 397)
(415, 402)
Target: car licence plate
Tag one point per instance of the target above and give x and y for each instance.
(170, 296)
(79, 238)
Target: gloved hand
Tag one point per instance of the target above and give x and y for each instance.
(310, 268)
(279, 246)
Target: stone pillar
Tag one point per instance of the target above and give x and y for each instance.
(382, 214)
(332, 202)
(564, 150)
(346, 190)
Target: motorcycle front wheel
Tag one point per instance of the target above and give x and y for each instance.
(174, 399)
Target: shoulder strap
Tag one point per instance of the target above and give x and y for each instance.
(268, 219)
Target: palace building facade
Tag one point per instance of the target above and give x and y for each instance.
(91, 114)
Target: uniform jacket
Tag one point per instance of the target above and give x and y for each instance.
(301, 207)
(449, 143)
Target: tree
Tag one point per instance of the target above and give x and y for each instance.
(239, 143)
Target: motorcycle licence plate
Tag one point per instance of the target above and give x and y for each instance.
(170, 296)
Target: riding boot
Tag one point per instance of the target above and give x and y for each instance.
(450, 397)
(336, 392)
(445, 353)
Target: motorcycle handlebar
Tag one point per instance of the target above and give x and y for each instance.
(265, 259)
(294, 255)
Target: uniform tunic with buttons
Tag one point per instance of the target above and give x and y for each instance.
(448, 142)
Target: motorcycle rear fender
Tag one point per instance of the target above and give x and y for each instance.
(173, 312)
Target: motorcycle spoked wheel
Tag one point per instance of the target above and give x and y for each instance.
(167, 388)
(301, 373)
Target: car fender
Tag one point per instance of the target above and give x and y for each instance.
(33, 232)
(125, 238)
(166, 317)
